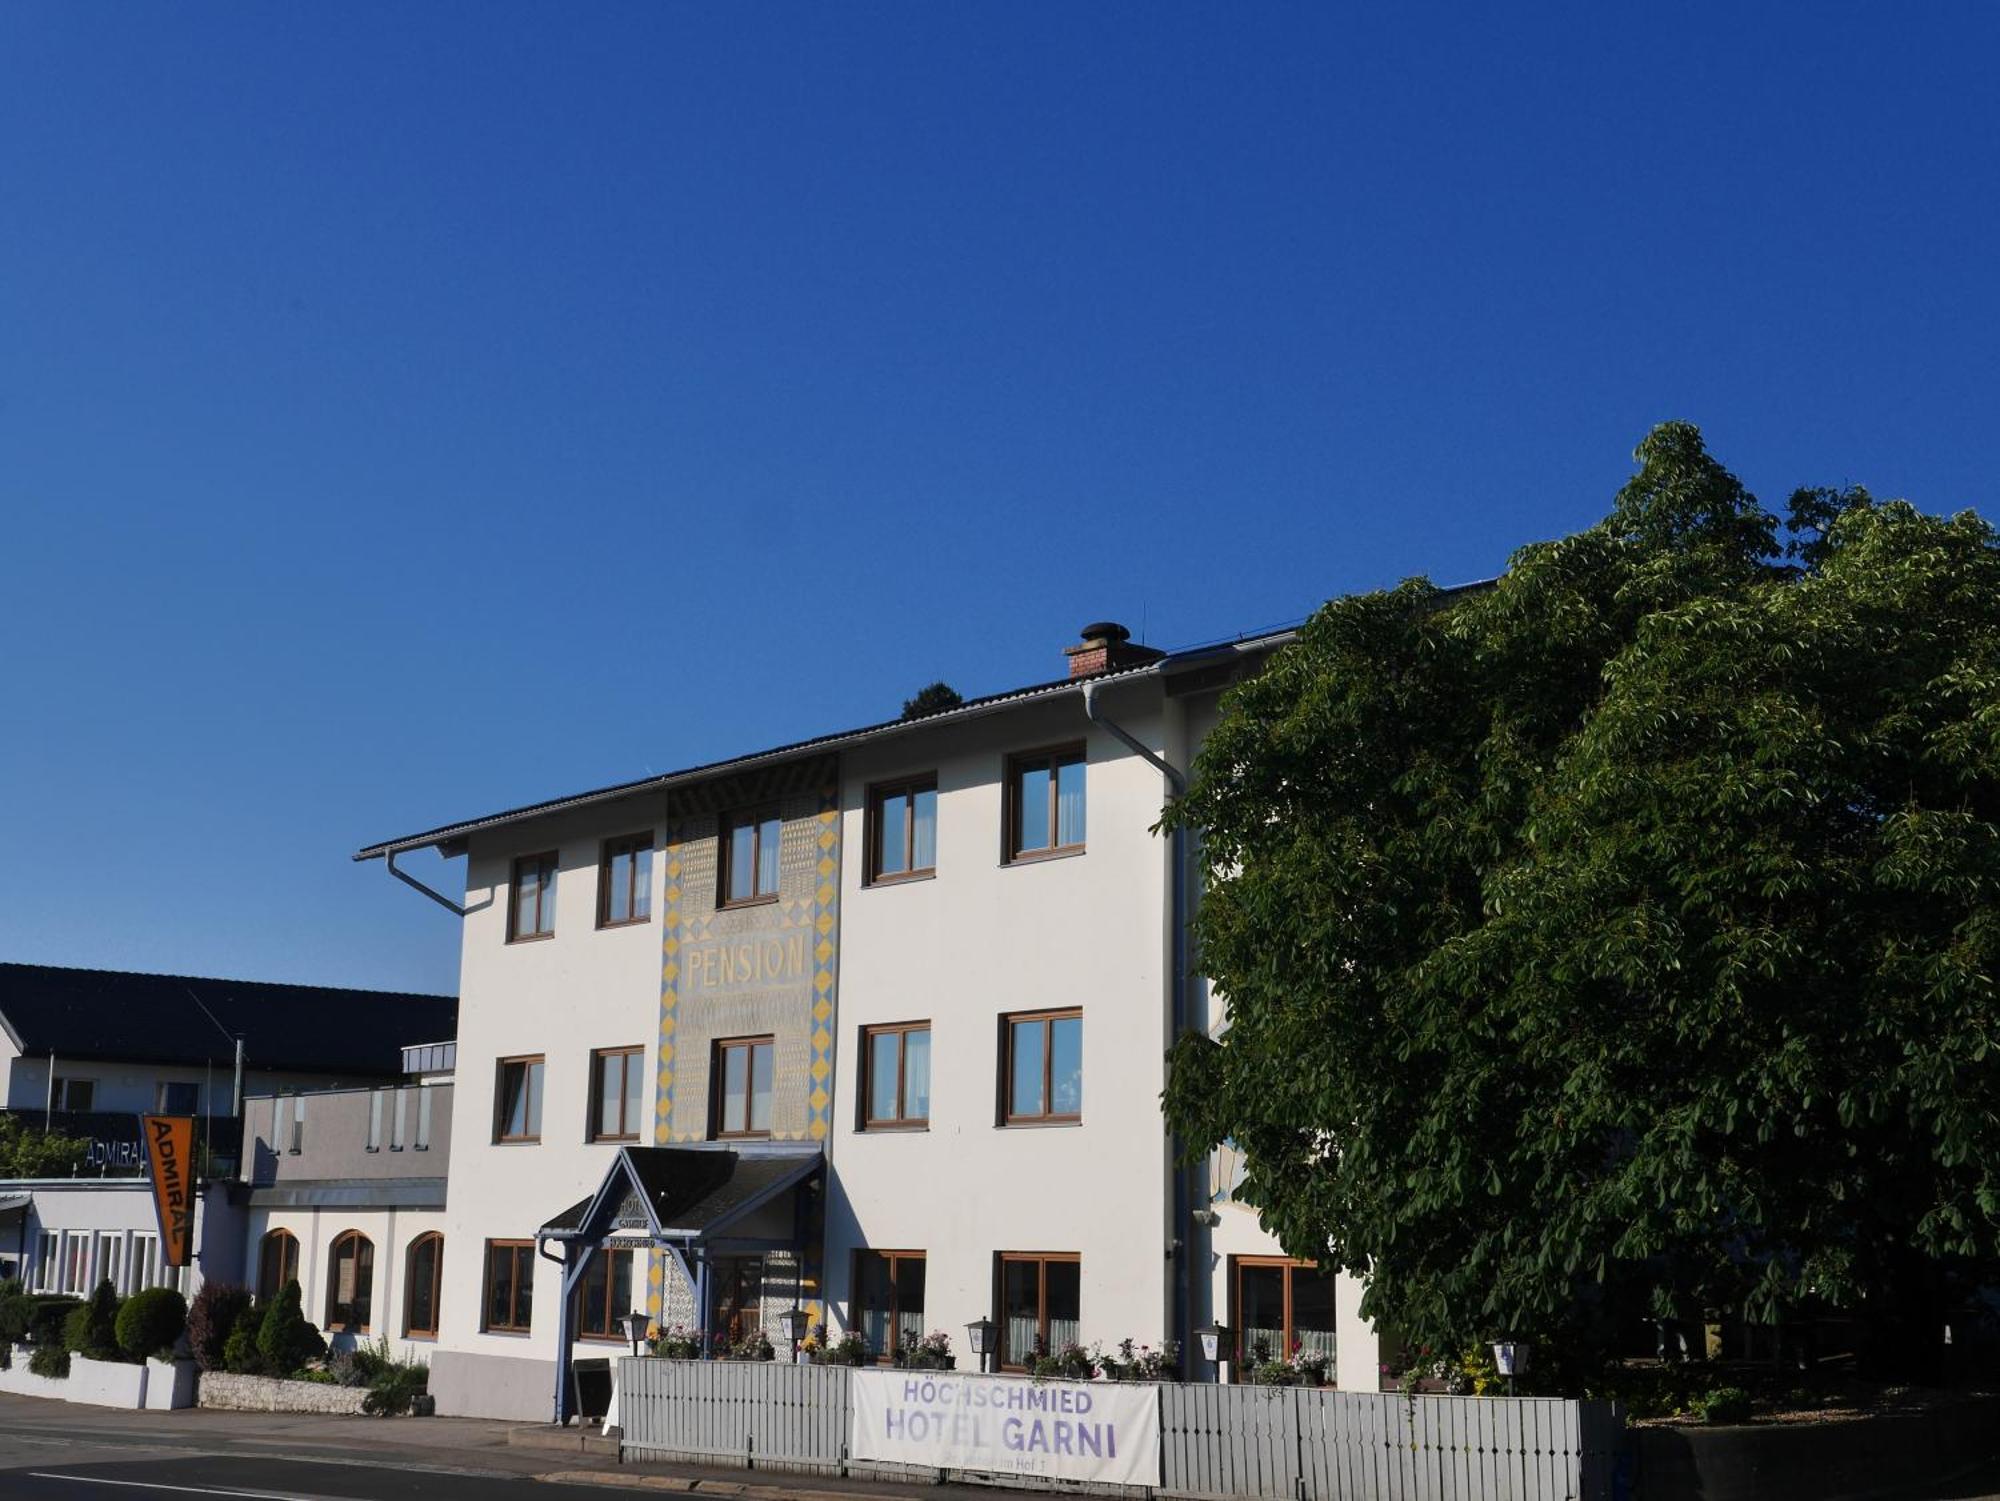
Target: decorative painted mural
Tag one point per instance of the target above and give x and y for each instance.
(749, 964)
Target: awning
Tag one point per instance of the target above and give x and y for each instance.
(15, 1201)
(685, 1194)
(349, 1193)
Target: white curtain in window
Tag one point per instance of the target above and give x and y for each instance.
(1069, 803)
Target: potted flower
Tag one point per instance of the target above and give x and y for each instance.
(931, 1352)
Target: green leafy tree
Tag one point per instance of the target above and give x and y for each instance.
(27, 1151)
(285, 1340)
(934, 699)
(1621, 938)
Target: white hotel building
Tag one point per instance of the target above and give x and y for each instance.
(876, 1022)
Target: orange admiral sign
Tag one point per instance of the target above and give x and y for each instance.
(170, 1159)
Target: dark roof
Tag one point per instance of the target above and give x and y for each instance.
(1172, 662)
(105, 1015)
(692, 1190)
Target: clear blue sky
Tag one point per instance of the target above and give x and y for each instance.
(411, 411)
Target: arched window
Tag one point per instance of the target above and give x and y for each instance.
(350, 1278)
(277, 1262)
(423, 1277)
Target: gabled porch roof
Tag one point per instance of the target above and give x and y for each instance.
(685, 1195)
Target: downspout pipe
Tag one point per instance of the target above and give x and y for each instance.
(1180, 885)
(437, 896)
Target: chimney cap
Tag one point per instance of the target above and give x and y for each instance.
(1106, 630)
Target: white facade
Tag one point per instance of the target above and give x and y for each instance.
(74, 1232)
(981, 938)
(561, 997)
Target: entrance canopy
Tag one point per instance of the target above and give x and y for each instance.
(680, 1197)
(698, 1204)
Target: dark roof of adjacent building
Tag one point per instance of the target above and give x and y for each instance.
(104, 1015)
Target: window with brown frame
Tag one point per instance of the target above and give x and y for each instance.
(605, 1296)
(888, 1300)
(277, 1263)
(1045, 804)
(517, 1099)
(741, 1071)
(510, 1286)
(625, 881)
(1040, 1302)
(896, 1075)
(617, 1084)
(350, 1282)
(902, 830)
(532, 913)
(1042, 1069)
(1280, 1307)
(749, 863)
(423, 1282)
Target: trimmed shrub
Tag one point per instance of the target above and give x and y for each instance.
(150, 1322)
(286, 1340)
(49, 1361)
(48, 1319)
(239, 1351)
(1726, 1404)
(16, 1308)
(217, 1310)
(92, 1329)
(390, 1392)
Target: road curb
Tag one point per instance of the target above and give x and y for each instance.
(683, 1484)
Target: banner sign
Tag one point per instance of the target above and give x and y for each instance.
(1106, 1431)
(170, 1157)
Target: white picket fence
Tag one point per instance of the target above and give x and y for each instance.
(1268, 1443)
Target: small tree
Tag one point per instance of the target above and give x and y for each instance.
(217, 1310)
(286, 1341)
(934, 699)
(150, 1322)
(92, 1328)
(240, 1355)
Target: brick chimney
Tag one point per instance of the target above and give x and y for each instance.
(1106, 647)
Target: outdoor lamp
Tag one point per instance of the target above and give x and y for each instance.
(1214, 1344)
(794, 1320)
(979, 1333)
(1510, 1359)
(635, 1327)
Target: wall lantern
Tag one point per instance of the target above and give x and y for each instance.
(1215, 1345)
(979, 1333)
(636, 1324)
(1510, 1359)
(794, 1320)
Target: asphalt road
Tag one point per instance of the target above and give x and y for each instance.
(137, 1477)
(50, 1450)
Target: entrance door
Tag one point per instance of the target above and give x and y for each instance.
(739, 1297)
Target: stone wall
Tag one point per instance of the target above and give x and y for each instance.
(262, 1394)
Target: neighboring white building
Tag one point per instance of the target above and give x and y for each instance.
(86, 1052)
(344, 1190)
(876, 1023)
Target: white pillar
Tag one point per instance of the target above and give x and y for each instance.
(1358, 1351)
